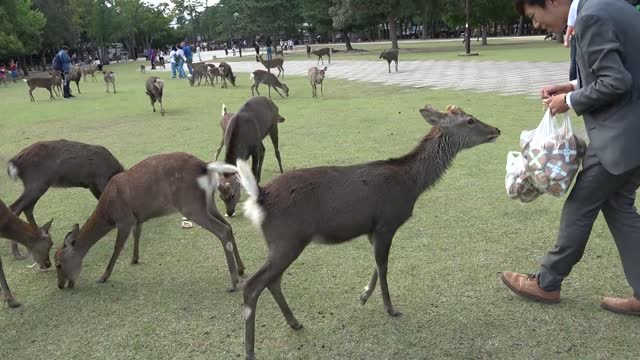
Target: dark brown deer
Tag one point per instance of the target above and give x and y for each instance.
(38, 241)
(390, 55)
(335, 204)
(45, 83)
(59, 164)
(263, 77)
(273, 63)
(256, 119)
(227, 73)
(320, 53)
(157, 186)
(316, 76)
(154, 88)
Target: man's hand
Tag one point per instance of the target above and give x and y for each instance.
(551, 90)
(557, 104)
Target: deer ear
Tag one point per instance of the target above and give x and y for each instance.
(455, 109)
(325, 69)
(46, 227)
(433, 116)
(69, 240)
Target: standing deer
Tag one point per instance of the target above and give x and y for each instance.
(75, 76)
(335, 204)
(45, 83)
(320, 53)
(89, 70)
(154, 88)
(273, 63)
(214, 73)
(56, 79)
(263, 77)
(227, 73)
(38, 241)
(390, 55)
(59, 164)
(224, 122)
(256, 118)
(316, 76)
(157, 186)
(110, 78)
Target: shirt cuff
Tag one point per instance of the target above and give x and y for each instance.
(575, 84)
(568, 99)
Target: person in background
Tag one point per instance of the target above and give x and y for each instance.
(269, 44)
(62, 63)
(569, 38)
(13, 67)
(188, 55)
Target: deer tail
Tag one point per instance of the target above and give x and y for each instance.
(210, 180)
(224, 110)
(252, 76)
(12, 171)
(252, 209)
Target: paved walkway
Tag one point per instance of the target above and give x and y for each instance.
(504, 77)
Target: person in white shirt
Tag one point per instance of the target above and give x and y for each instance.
(180, 59)
(174, 63)
(568, 38)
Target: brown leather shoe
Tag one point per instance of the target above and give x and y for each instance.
(630, 306)
(527, 286)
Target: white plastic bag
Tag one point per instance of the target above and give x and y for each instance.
(550, 157)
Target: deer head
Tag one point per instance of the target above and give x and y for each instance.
(230, 192)
(39, 250)
(68, 260)
(462, 128)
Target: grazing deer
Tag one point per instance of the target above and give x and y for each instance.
(335, 204)
(273, 63)
(154, 87)
(157, 186)
(227, 73)
(320, 53)
(263, 77)
(214, 73)
(143, 69)
(256, 118)
(38, 241)
(59, 164)
(316, 76)
(390, 55)
(110, 78)
(45, 83)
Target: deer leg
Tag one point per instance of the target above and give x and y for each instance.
(220, 148)
(137, 231)
(236, 253)
(321, 91)
(252, 88)
(396, 61)
(25, 203)
(95, 192)
(389, 63)
(274, 140)
(6, 293)
(201, 216)
(31, 95)
(78, 86)
(51, 94)
(269, 88)
(269, 275)
(153, 104)
(121, 239)
(260, 161)
(161, 107)
(368, 290)
(381, 246)
(276, 90)
(114, 88)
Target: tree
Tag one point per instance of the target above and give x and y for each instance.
(351, 13)
(20, 29)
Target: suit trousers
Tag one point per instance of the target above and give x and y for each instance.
(596, 190)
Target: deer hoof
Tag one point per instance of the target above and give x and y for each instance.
(135, 261)
(394, 312)
(102, 280)
(13, 303)
(296, 326)
(364, 297)
(232, 289)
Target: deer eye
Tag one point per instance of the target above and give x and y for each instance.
(470, 121)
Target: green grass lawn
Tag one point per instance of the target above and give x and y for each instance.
(524, 49)
(444, 264)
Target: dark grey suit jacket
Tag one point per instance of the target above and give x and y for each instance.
(607, 35)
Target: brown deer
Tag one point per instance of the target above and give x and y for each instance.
(214, 73)
(263, 77)
(38, 241)
(256, 118)
(390, 55)
(89, 70)
(56, 79)
(75, 75)
(320, 53)
(227, 73)
(157, 186)
(59, 164)
(335, 204)
(316, 76)
(273, 63)
(110, 78)
(154, 88)
(224, 122)
(45, 83)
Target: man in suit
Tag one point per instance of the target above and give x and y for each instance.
(606, 94)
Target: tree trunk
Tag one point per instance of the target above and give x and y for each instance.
(392, 32)
(424, 27)
(484, 35)
(347, 41)
(520, 26)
